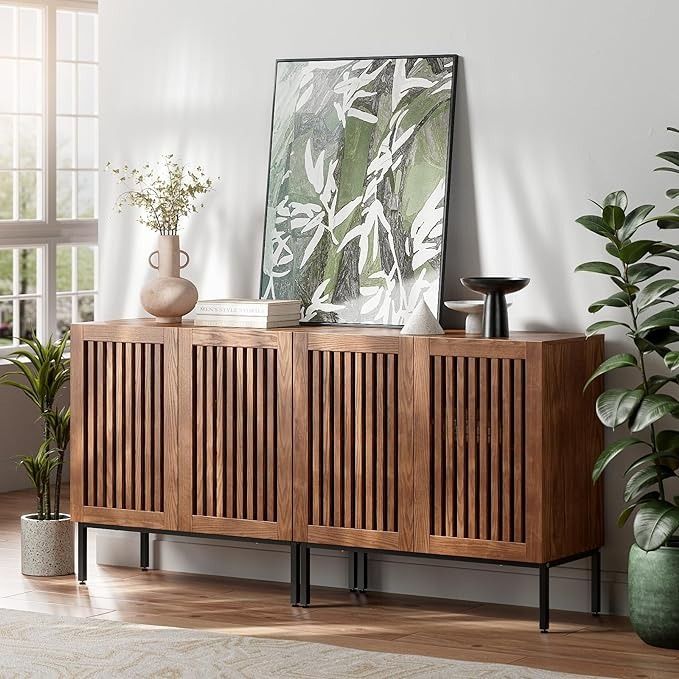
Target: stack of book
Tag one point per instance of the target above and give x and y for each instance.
(248, 313)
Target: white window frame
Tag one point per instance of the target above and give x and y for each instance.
(48, 232)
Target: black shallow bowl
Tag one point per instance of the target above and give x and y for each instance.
(486, 284)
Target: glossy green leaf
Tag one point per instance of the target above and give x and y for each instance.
(643, 271)
(612, 363)
(668, 221)
(596, 224)
(619, 299)
(614, 216)
(625, 513)
(667, 441)
(644, 478)
(665, 169)
(655, 383)
(651, 409)
(672, 193)
(616, 406)
(617, 199)
(655, 522)
(610, 453)
(670, 460)
(670, 157)
(633, 220)
(655, 291)
(633, 252)
(599, 267)
(663, 319)
(672, 360)
(602, 325)
(625, 287)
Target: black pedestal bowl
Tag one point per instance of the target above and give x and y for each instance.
(495, 320)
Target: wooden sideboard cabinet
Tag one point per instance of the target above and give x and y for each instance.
(354, 438)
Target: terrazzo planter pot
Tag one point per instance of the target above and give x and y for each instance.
(653, 589)
(46, 546)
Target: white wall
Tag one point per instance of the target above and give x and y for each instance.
(557, 102)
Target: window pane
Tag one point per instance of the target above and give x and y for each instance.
(65, 35)
(28, 271)
(28, 318)
(30, 86)
(65, 88)
(30, 142)
(30, 32)
(87, 89)
(65, 141)
(63, 314)
(64, 269)
(7, 85)
(87, 36)
(6, 141)
(6, 195)
(87, 142)
(64, 195)
(7, 46)
(86, 189)
(29, 195)
(6, 329)
(6, 271)
(85, 267)
(86, 308)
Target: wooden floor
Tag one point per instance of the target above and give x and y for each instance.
(577, 642)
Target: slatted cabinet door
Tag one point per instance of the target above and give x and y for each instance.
(470, 415)
(124, 425)
(235, 432)
(353, 439)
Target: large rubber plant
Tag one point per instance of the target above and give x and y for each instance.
(644, 304)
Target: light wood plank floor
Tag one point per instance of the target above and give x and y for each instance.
(577, 643)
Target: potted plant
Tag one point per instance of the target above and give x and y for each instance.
(165, 194)
(644, 288)
(42, 370)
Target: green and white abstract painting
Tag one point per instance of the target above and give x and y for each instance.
(358, 181)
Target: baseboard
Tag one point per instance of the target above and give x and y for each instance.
(398, 574)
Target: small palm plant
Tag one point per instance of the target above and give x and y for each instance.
(42, 371)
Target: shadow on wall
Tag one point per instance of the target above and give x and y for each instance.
(462, 240)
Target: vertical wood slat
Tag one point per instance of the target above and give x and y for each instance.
(348, 406)
(369, 467)
(248, 378)
(271, 434)
(124, 460)
(209, 415)
(338, 466)
(327, 439)
(241, 473)
(91, 456)
(261, 461)
(391, 457)
(219, 404)
(380, 461)
(359, 480)
(231, 434)
(199, 460)
(507, 461)
(477, 437)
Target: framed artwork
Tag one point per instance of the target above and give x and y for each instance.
(358, 186)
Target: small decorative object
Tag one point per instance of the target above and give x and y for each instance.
(473, 309)
(495, 320)
(165, 193)
(46, 536)
(248, 313)
(358, 186)
(422, 322)
(649, 296)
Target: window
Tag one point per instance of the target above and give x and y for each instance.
(48, 166)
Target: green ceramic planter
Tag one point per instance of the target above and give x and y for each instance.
(653, 587)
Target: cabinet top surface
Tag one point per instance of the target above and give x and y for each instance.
(366, 331)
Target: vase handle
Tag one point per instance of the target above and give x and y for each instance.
(186, 263)
(151, 264)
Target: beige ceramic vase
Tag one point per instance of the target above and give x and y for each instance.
(169, 297)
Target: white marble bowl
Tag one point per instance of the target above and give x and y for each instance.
(474, 310)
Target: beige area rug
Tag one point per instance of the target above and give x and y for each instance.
(36, 645)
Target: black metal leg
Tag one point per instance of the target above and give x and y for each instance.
(596, 582)
(304, 575)
(294, 574)
(144, 550)
(82, 553)
(544, 597)
(358, 571)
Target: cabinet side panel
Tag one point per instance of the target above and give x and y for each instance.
(77, 423)
(572, 440)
